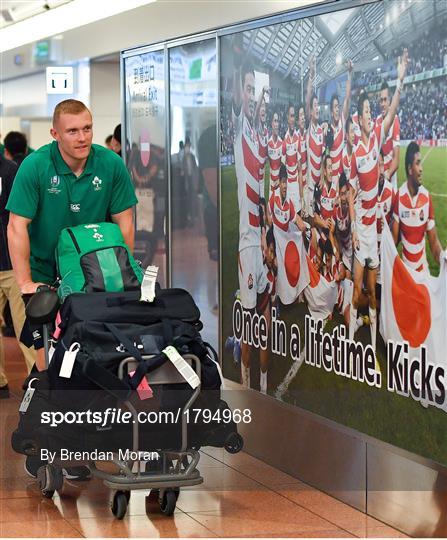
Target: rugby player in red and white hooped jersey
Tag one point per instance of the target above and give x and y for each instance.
(271, 264)
(263, 136)
(348, 148)
(325, 197)
(343, 229)
(356, 128)
(292, 160)
(363, 200)
(302, 148)
(390, 146)
(338, 124)
(253, 284)
(315, 142)
(281, 210)
(413, 214)
(385, 204)
(274, 151)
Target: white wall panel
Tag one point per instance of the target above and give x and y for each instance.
(104, 98)
(39, 133)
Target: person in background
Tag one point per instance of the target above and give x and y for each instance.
(108, 142)
(16, 147)
(115, 143)
(9, 290)
(191, 179)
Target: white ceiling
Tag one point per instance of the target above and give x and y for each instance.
(13, 11)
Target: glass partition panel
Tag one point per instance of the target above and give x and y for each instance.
(193, 147)
(145, 154)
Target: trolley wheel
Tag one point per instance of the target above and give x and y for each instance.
(119, 504)
(50, 480)
(234, 443)
(168, 502)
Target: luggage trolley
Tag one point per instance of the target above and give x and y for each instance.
(179, 468)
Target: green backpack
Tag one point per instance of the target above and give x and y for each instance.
(95, 258)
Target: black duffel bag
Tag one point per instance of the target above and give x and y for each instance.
(126, 307)
(104, 345)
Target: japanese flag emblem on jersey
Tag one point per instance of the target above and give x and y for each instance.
(293, 275)
(414, 304)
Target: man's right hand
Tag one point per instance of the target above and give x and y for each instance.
(30, 287)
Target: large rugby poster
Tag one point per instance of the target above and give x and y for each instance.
(334, 214)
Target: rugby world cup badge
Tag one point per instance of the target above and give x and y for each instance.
(54, 184)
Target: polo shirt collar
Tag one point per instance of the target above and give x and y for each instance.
(60, 165)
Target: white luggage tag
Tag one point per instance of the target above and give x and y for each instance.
(148, 284)
(27, 397)
(68, 360)
(182, 366)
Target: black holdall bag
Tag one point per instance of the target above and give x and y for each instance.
(102, 346)
(126, 307)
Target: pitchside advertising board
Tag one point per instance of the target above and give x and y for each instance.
(334, 214)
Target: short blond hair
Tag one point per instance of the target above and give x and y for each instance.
(69, 106)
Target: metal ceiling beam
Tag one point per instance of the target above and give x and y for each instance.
(365, 22)
(298, 53)
(350, 42)
(322, 28)
(252, 40)
(269, 46)
(379, 49)
(286, 46)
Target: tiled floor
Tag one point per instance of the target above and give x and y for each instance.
(240, 496)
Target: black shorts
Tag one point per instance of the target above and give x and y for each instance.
(31, 334)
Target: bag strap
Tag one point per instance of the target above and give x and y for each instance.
(212, 350)
(189, 337)
(115, 301)
(104, 378)
(144, 366)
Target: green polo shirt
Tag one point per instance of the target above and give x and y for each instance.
(46, 191)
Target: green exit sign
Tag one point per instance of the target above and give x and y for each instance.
(42, 51)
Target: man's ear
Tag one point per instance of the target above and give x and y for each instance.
(53, 133)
